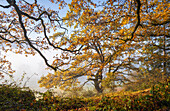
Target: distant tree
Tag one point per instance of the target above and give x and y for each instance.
(155, 60)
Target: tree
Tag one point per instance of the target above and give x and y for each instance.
(154, 44)
(104, 36)
(155, 57)
(156, 40)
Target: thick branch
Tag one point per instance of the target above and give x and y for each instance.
(138, 20)
(152, 35)
(7, 6)
(117, 67)
(26, 37)
(49, 42)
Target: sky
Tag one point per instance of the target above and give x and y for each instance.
(32, 66)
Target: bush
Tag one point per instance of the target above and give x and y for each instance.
(14, 98)
(144, 83)
(153, 99)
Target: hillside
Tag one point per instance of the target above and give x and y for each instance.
(156, 98)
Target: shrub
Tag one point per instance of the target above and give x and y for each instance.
(14, 98)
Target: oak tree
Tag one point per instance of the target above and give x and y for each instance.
(102, 44)
(111, 35)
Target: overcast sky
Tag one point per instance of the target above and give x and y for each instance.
(29, 65)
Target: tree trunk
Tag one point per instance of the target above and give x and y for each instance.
(164, 54)
(97, 87)
(97, 81)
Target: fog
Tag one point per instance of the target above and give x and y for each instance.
(32, 66)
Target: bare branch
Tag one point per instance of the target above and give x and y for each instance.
(35, 1)
(27, 39)
(56, 47)
(138, 20)
(117, 67)
(7, 6)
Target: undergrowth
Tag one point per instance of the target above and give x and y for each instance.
(151, 99)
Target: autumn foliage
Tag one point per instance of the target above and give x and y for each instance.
(108, 43)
